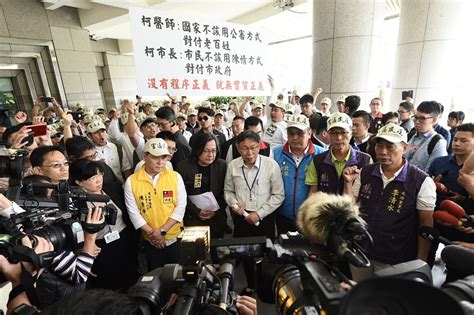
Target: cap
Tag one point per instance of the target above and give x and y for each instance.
(79, 107)
(205, 104)
(181, 115)
(218, 112)
(88, 111)
(140, 117)
(326, 100)
(53, 130)
(340, 120)
(90, 118)
(392, 133)
(222, 107)
(99, 110)
(192, 112)
(95, 126)
(285, 106)
(124, 118)
(257, 105)
(342, 98)
(156, 147)
(298, 121)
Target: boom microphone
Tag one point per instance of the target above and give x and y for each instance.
(431, 234)
(334, 221)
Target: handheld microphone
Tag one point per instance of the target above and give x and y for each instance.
(458, 258)
(447, 218)
(334, 221)
(454, 209)
(441, 189)
(431, 234)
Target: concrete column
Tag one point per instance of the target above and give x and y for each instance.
(434, 53)
(347, 47)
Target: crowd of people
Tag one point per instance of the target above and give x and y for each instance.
(259, 161)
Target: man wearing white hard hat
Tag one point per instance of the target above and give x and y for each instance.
(155, 197)
(294, 158)
(396, 198)
(107, 151)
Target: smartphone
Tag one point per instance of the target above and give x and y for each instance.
(38, 130)
(77, 116)
(406, 94)
(29, 139)
(46, 99)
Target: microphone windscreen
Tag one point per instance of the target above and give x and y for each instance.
(441, 189)
(453, 208)
(458, 259)
(446, 218)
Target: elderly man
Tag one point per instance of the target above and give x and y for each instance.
(253, 189)
(156, 201)
(396, 198)
(294, 158)
(325, 173)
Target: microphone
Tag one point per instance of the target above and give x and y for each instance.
(447, 218)
(454, 209)
(431, 234)
(458, 258)
(441, 189)
(334, 221)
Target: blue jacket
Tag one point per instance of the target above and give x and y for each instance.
(296, 191)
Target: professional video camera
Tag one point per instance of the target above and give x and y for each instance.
(60, 219)
(201, 288)
(11, 163)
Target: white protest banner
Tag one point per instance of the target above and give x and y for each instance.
(190, 56)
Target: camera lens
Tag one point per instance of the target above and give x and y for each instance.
(55, 234)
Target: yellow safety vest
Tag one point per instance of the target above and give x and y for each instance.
(156, 204)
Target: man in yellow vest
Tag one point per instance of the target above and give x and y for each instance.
(156, 201)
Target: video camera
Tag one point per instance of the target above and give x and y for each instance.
(60, 219)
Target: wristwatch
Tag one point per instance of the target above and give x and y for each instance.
(163, 232)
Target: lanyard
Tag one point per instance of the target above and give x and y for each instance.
(254, 180)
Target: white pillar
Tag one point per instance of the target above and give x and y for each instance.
(347, 47)
(434, 53)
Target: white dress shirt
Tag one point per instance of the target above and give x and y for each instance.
(109, 154)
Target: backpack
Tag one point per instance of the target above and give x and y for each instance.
(434, 140)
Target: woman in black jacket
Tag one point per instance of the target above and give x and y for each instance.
(205, 172)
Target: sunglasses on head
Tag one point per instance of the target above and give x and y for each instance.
(205, 118)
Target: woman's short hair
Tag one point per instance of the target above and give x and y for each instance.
(84, 169)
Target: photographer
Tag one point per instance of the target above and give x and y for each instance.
(68, 270)
(118, 243)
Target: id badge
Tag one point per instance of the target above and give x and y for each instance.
(251, 205)
(111, 236)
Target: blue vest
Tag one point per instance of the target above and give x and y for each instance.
(391, 213)
(328, 181)
(296, 191)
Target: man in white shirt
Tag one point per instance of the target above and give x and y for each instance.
(156, 201)
(121, 137)
(253, 190)
(107, 151)
(275, 132)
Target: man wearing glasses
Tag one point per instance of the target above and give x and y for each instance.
(324, 174)
(206, 121)
(405, 112)
(50, 161)
(426, 145)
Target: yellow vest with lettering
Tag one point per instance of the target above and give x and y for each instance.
(156, 204)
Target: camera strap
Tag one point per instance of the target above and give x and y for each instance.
(92, 228)
(28, 283)
(27, 254)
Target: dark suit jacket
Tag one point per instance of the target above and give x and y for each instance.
(188, 169)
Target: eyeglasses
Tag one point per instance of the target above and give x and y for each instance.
(422, 118)
(91, 157)
(58, 165)
(338, 133)
(402, 111)
(172, 150)
(205, 118)
(150, 126)
(212, 152)
(247, 149)
(295, 133)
